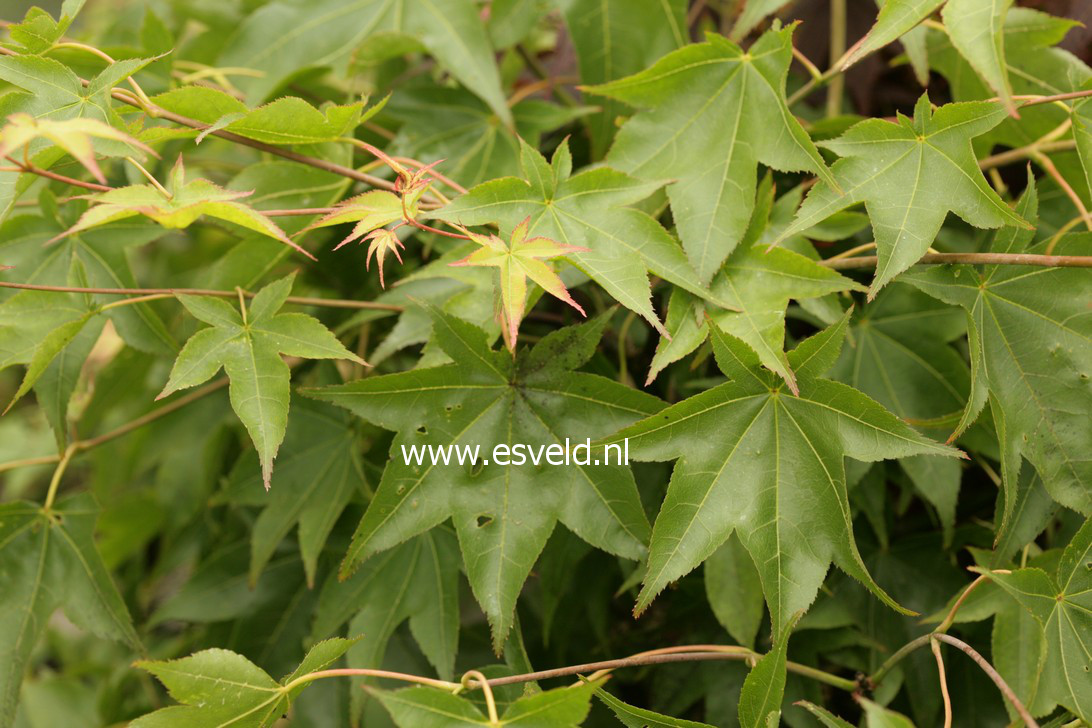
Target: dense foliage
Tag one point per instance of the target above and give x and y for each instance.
(255, 251)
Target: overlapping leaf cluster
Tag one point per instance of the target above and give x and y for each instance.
(775, 341)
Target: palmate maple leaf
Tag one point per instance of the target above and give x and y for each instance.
(910, 174)
(72, 135)
(516, 261)
(177, 206)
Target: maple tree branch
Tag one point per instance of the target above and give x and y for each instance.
(1046, 261)
(54, 483)
(1044, 161)
(992, 674)
(837, 49)
(93, 442)
(300, 300)
(31, 169)
(935, 645)
(1026, 152)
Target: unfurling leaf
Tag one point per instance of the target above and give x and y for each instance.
(383, 241)
(248, 345)
(178, 207)
(370, 211)
(586, 208)
(72, 135)
(516, 261)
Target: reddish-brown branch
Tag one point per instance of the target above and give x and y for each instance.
(300, 300)
(1046, 261)
(31, 169)
(993, 675)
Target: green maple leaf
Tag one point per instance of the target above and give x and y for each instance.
(72, 135)
(901, 356)
(454, 125)
(318, 473)
(634, 717)
(585, 209)
(286, 120)
(282, 37)
(1030, 350)
(757, 281)
(755, 460)
(975, 27)
(613, 40)
(248, 345)
(179, 207)
(713, 113)
(219, 688)
(503, 514)
(1061, 603)
(426, 707)
(910, 174)
(516, 261)
(48, 560)
(55, 92)
(421, 578)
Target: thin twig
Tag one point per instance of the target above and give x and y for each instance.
(993, 675)
(300, 300)
(31, 169)
(1044, 161)
(1021, 153)
(1045, 261)
(93, 442)
(943, 683)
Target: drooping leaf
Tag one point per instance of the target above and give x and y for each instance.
(1029, 350)
(72, 135)
(828, 719)
(318, 473)
(517, 260)
(910, 174)
(877, 716)
(248, 345)
(634, 717)
(586, 210)
(896, 18)
(734, 591)
(426, 707)
(54, 91)
(180, 207)
(421, 579)
(748, 441)
(282, 37)
(503, 512)
(48, 560)
(713, 113)
(219, 688)
(613, 40)
(976, 28)
(900, 356)
(760, 699)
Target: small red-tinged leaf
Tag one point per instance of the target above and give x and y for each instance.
(519, 259)
(72, 135)
(383, 241)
